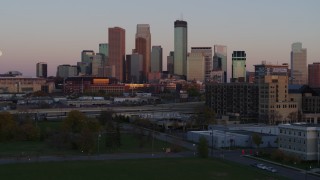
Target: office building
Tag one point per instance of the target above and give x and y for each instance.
(275, 105)
(143, 47)
(220, 59)
(170, 62)
(98, 65)
(239, 66)
(156, 59)
(235, 99)
(196, 66)
(25, 85)
(104, 50)
(314, 75)
(135, 68)
(217, 76)
(85, 66)
(299, 71)
(67, 70)
(117, 51)
(207, 53)
(180, 47)
(42, 69)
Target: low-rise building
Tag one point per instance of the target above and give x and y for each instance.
(300, 139)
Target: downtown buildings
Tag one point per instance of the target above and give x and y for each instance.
(42, 70)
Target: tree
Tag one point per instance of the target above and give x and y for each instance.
(275, 117)
(257, 139)
(105, 116)
(203, 147)
(293, 117)
(8, 126)
(204, 116)
(74, 122)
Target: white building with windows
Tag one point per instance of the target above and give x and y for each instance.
(300, 139)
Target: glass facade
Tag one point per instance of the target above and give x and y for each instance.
(239, 65)
(180, 47)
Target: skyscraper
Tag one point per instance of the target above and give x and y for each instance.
(85, 66)
(103, 49)
(170, 62)
(207, 53)
(180, 47)
(299, 71)
(156, 59)
(143, 46)
(220, 59)
(239, 66)
(314, 75)
(42, 69)
(196, 66)
(117, 51)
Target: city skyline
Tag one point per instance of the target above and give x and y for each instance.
(57, 32)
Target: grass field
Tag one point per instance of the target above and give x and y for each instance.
(129, 144)
(162, 169)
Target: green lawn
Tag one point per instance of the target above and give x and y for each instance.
(130, 144)
(184, 169)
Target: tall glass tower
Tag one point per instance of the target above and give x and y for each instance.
(239, 66)
(180, 47)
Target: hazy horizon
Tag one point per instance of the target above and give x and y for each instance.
(57, 31)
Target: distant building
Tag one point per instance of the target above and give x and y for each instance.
(180, 47)
(299, 71)
(42, 69)
(217, 76)
(143, 47)
(239, 65)
(314, 75)
(67, 70)
(170, 62)
(220, 59)
(24, 85)
(135, 68)
(92, 84)
(196, 67)
(207, 53)
(117, 51)
(98, 65)
(156, 59)
(104, 49)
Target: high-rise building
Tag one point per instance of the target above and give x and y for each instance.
(207, 53)
(85, 66)
(180, 47)
(67, 70)
(170, 62)
(314, 75)
(239, 66)
(104, 50)
(196, 66)
(117, 51)
(299, 71)
(98, 65)
(143, 47)
(156, 59)
(274, 102)
(220, 59)
(134, 64)
(42, 69)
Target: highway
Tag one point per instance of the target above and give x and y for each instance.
(184, 108)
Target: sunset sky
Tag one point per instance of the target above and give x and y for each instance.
(57, 31)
